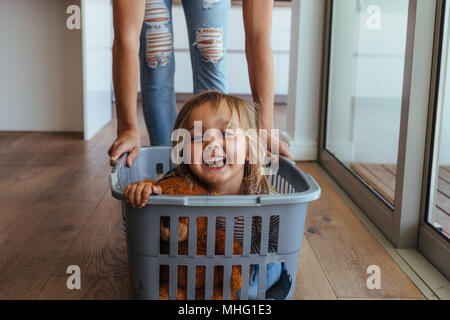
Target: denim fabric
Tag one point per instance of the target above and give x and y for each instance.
(207, 24)
(278, 282)
(272, 276)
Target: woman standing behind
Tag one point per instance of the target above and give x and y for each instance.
(143, 31)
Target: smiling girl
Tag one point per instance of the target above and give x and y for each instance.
(219, 160)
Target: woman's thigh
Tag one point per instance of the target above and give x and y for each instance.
(156, 51)
(207, 24)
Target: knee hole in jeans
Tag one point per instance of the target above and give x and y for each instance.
(207, 4)
(209, 42)
(159, 42)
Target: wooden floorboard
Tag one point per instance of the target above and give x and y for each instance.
(92, 288)
(100, 252)
(311, 282)
(345, 249)
(100, 248)
(21, 186)
(34, 245)
(57, 211)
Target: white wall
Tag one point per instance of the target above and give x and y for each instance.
(305, 78)
(53, 78)
(98, 38)
(41, 75)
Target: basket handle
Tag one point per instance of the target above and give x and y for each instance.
(314, 187)
(114, 181)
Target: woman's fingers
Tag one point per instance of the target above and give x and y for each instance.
(281, 146)
(284, 150)
(133, 155)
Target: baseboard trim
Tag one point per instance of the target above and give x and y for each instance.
(303, 150)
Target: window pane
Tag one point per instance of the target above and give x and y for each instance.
(439, 205)
(368, 43)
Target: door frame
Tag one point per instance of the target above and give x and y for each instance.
(434, 246)
(399, 223)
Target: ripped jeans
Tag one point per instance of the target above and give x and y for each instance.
(207, 25)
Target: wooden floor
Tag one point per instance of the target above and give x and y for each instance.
(57, 211)
(381, 177)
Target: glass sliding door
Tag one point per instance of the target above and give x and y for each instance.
(377, 71)
(434, 234)
(366, 68)
(385, 120)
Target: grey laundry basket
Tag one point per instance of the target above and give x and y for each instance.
(142, 227)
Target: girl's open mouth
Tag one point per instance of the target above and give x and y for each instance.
(217, 162)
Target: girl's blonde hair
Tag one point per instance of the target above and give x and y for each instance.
(254, 181)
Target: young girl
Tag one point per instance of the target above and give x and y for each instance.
(219, 161)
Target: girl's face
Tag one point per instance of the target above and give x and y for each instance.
(218, 151)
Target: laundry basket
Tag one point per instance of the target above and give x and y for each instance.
(142, 227)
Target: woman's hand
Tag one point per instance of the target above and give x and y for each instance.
(127, 141)
(257, 16)
(283, 147)
(137, 193)
(128, 17)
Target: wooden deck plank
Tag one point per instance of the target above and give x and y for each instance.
(442, 212)
(375, 176)
(345, 248)
(384, 174)
(443, 220)
(444, 187)
(442, 202)
(372, 179)
(444, 174)
(392, 168)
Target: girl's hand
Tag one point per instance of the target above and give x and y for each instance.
(137, 193)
